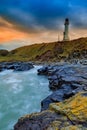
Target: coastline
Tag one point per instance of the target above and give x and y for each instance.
(68, 83)
(67, 86)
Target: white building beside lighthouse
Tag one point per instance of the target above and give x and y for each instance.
(66, 30)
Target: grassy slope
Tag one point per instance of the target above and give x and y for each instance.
(45, 51)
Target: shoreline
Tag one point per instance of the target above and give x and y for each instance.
(66, 85)
(70, 61)
(66, 81)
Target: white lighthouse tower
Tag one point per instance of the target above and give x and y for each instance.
(66, 30)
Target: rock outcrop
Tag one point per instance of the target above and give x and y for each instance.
(68, 115)
(66, 107)
(16, 66)
(78, 54)
(65, 81)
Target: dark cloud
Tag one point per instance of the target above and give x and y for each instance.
(34, 15)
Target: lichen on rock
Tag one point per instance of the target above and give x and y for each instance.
(73, 127)
(70, 114)
(74, 108)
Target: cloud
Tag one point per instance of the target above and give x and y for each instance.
(78, 14)
(35, 16)
(4, 23)
(13, 44)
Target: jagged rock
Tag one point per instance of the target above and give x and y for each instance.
(65, 81)
(83, 62)
(68, 115)
(57, 96)
(16, 66)
(70, 75)
(46, 70)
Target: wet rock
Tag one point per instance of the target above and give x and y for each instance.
(45, 70)
(23, 67)
(83, 62)
(72, 75)
(16, 66)
(65, 81)
(57, 96)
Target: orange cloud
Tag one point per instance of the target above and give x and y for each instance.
(9, 33)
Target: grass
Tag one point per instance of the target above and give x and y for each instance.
(30, 53)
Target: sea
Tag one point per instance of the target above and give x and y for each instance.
(20, 93)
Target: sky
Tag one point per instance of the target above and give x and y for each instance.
(25, 22)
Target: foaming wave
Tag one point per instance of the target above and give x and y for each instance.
(6, 72)
(11, 80)
(21, 93)
(16, 88)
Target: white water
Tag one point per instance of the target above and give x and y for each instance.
(20, 94)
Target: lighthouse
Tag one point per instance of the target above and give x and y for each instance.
(66, 30)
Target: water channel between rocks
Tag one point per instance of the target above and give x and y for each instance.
(20, 94)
